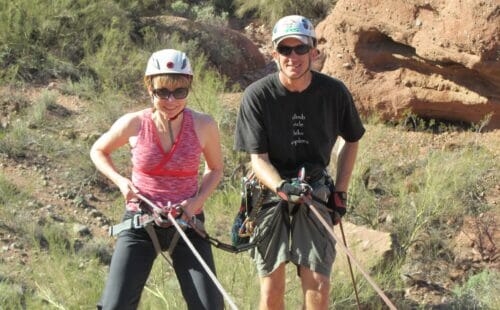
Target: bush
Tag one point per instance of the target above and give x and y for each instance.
(416, 190)
(481, 291)
(271, 11)
(42, 39)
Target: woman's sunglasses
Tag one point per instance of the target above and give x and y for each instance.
(164, 93)
(301, 49)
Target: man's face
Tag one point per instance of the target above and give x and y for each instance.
(293, 65)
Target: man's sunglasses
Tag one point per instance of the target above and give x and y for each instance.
(301, 49)
(164, 93)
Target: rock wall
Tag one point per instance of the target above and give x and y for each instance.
(436, 58)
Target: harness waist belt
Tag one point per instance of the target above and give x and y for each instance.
(138, 221)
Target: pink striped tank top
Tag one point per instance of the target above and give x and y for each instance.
(165, 176)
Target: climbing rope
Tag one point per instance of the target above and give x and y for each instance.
(179, 229)
(313, 208)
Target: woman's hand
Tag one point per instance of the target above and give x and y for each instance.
(190, 207)
(127, 189)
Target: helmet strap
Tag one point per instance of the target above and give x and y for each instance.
(175, 116)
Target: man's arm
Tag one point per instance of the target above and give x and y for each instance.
(345, 165)
(265, 171)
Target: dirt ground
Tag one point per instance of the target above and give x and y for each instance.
(476, 242)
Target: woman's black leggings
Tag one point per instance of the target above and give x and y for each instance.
(132, 262)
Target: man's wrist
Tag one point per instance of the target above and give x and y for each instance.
(342, 195)
(279, 185)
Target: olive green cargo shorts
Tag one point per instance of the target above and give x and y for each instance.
(287, 232)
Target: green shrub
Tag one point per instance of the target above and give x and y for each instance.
(144, 7)
(207, 14)
(439, 187)
(271, 11)
(12, 295)
(36, 116)
(45, 39)
(85, 88)
(180, 8)
(18, 141)
(8, 193)
(481, 291)
(117, 62)
(417, 191)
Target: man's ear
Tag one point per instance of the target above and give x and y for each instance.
(314, 54)
(276, 58)
(275, 55)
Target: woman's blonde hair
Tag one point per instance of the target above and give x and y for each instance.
(170, 81)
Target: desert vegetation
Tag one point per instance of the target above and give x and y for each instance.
(70, 68)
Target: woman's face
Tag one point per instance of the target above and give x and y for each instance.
(169, 94)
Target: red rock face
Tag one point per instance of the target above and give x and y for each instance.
(435, 58)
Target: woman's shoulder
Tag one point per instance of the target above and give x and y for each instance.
(202, 119)
(131, 120)
(205, 127)
(136, 116)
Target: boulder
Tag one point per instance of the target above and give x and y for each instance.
(371, 248)
(436, 58)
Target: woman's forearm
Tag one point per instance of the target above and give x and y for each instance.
(208, 183)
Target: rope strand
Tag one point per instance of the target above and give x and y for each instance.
(195, 253)
(202, 262)
(384, 297)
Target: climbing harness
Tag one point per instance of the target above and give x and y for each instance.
(180, 230)
(313, 207)
(156, 215)
(153, 215)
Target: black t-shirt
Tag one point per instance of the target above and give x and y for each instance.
(296, 128)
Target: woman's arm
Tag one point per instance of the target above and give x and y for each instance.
(117, 136)
(208, 135)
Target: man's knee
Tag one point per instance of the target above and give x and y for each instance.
(272, 298)
(272, 289)
(314, 281)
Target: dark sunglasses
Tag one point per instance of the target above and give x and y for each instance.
(301, 49)
(164, 93)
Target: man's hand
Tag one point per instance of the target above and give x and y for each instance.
(340, 206)
(291, 191)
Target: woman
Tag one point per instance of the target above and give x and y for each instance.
(166, 143)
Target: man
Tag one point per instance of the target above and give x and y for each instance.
(287, 121)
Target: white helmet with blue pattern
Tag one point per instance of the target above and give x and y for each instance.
(294, 26)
